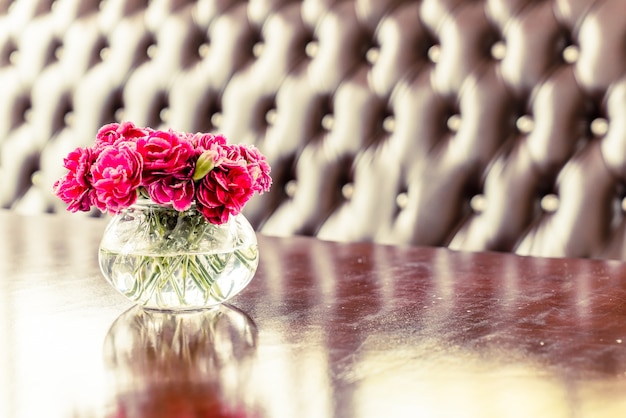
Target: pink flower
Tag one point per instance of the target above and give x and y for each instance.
(169, 161)
(224, 192)
(75, 187)
(166, 153)
(116, 176)
(113, 133)
(258, 168)
(204, 141)
(170, 190)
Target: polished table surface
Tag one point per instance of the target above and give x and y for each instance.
(323, 330)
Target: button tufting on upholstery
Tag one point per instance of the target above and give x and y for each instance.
(347, 191)
(478, 203)
(434, 53)
(257, 49)
(389, 124)
(525, 124)
(372, 54)
(400, 81)
(402, 200)
(571, 54)
(328, 121)
(271, 116)
(498, 50)
(550, 203)
(599, 127)
(290, 188)
(454, 123)
(311, 49)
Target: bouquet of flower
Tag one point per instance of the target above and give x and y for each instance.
(170, 168)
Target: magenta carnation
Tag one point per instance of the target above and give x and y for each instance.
(258, 167)
(117, 173)
(75, 187)
(169, 160)
(205, 141)
(224, 191)
(166, 153)
(170, 190)
(113, 133)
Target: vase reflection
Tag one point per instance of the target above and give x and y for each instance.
(189, 364)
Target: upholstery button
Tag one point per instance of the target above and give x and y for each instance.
(35, 178)
(328, 121)
(28, 114)
(347, 191)
(599, 127)
(571, 54)
(525, 124)
(68, 118)
(389, 124)
(104, 53)
(498, 50)
(311, 49)
(203, 50)
(118, 115)
(434, 52)
(402, 200)
(372, 55)
(271, 117)
(550, 203)
(216, 119)
(58, 52)
(257, 49)
(454, 123)
(164, 114)
(151, 51)
(624, 204)
(14, 57)
(478, 203)
(290, 188)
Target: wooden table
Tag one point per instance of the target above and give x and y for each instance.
(323, 330)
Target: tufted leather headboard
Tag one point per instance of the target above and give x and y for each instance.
(478, 125)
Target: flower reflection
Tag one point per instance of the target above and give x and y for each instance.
(192, 364)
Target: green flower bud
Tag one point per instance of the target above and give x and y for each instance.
(204, 164)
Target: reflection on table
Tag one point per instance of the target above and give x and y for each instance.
(323, 330)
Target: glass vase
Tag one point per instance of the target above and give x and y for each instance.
(164, 259)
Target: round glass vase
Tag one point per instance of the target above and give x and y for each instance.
(164, 259)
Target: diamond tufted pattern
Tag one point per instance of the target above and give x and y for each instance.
(478, 125)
